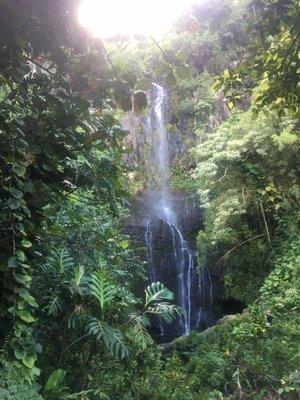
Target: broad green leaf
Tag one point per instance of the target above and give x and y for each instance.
(13, 203)
(157, 292)
(29, 360)
(101, 288)
(55, 380)
(12, 262)
(20, 255)
(22, 278)
(26, 316)
(19, 169)
(226, 74)
(124, 244)
(19, 353)
(16, 193)
(26, 243)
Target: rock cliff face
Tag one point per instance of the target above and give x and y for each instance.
(140, 135)
(206, 286)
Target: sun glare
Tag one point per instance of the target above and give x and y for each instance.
(107, 18)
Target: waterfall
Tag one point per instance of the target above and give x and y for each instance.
(149, 241)
(162, 208)
(165, 221)
(185, 268)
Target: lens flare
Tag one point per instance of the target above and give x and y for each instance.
(107, 18)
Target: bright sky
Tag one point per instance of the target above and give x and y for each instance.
(106, 18)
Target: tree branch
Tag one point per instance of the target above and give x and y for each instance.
(265, 222)
(162, 52)
(238, 245)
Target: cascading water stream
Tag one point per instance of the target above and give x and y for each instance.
(149, 241)
(185, 267)
(163, 209)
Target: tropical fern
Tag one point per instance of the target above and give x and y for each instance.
(76, 320)
(54, 305)
(126, 298)
(101, 288)
(78, 276)
(65, 278)
(156, 303)
(157, 292)
(138, 331)
(113, 338)
(165, 310)
(60, 260)
(77, 280)
(13, 385)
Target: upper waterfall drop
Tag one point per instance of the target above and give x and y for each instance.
(160, 155)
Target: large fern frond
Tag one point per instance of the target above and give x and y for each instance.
(166, 311)
(101, 288)
(53, 305)
(13, 385)
(127, 298)
(78, 276)
(77, 280)
(60, 260)
(157, 292)
(76, 320)
(113, 338)
(138, 332)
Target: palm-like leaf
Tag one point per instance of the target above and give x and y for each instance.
(54, 305)
(127, 298)
(60, 268)
(60, 260)
(157, 292)
(164, 310)
(78, 276)
(77, 280)
(138, 332)
(101, 288)
(112, 337)
(76, 320)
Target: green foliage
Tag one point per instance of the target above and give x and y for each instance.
(270, 68)
(69, 276)
(247, 182)
(157, 292)
(51, 144)
(15, 386)
(102, 289)
(92, 233)
(92, 313)
(112, 337)
(245, 356)
(54, 388)
(181, 179)
(156, 303)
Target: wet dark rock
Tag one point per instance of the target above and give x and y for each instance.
(190, 221)
(230, 305)
(139, 101)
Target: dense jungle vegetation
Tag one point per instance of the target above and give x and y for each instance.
(76, 307)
